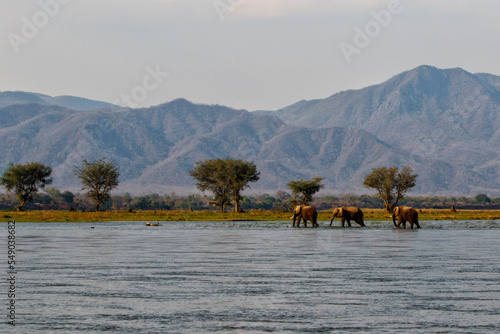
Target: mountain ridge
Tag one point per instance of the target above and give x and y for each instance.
(9, 98)
(442, 123)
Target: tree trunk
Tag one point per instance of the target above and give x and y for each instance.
(237, 207)
(389, 207)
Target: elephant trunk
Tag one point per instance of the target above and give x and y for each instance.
(394, 220)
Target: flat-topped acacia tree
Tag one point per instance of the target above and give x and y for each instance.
(225, 178)
(99, 177)
(303, 190)
(26, 180)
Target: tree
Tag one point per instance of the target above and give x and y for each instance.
(225, 178)
(54, 194)
(99, 178)
(26, 180)
(482, 199)
(303, 190)
(241, 174)
(391, 184)
(68, 197)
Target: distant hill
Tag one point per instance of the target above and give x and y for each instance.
(448, 115)
(443, 123)
(70, 102)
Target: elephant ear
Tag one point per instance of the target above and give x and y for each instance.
(341, 212)
(396, 211)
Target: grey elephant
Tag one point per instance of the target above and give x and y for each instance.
(346, 214)
(307, 213)
(405, 214)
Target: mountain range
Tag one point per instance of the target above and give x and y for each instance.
(441, 122)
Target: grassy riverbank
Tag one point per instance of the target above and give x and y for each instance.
(257, 215)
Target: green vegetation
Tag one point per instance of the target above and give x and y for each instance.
(391, 185)
(54, 200)
(99, 177)
(26, 180)
(205, 215)
(482, 199)
(225, 178)
(303, 190)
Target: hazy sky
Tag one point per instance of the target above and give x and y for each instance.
(249, 54)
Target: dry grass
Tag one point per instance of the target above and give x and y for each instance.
(253, 215)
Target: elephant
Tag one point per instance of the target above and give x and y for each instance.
(348, 214)
(307, 213)
(405, 214)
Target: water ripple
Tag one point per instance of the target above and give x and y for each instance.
(257, 277)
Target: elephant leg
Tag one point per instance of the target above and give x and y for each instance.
(404, 224)
(348, 222)
(343, 221)
(360, 221)
(416, 221)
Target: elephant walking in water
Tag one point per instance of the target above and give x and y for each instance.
(307, 213)
(405, 214)
(348, 214)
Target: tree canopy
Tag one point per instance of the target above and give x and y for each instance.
(391, 184)
(27, 180)
(225, 178)
(482, 199)
(303, 190)
(99, 177)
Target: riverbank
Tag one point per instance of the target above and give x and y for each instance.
(253, 215)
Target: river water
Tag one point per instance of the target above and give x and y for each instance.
(255, 277)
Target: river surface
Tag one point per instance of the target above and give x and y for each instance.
(254, 277)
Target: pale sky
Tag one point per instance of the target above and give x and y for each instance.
(246, 54)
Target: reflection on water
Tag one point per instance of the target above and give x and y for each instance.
(257, 277)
